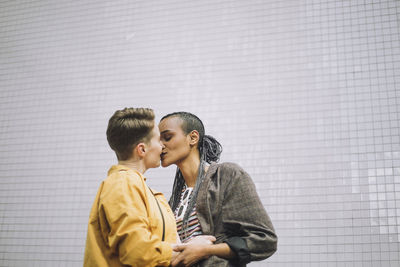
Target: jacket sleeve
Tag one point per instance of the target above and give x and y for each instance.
(127, 228)
(249, 229)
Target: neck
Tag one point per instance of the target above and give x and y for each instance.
(134, 165)
(190, 168)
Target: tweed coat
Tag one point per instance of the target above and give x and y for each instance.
(229, 208)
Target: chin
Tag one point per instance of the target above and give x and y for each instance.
(165, 163)
(155, 164)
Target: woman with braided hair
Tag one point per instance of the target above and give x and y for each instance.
(210, 198)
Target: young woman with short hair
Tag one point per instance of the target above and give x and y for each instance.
(212, 199)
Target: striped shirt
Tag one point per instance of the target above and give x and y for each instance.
(193, 227)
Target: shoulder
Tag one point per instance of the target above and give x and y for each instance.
(124, 176)
(229, 171)
(122, 181)
(227, 167)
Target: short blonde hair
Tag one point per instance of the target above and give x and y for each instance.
(127, 128)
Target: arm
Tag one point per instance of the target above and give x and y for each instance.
(199, 248)
(126, 226)
(250, 233)
(220, 250)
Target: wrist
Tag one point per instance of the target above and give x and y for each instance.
(209, 250)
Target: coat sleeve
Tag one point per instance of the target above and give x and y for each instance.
(249, 229)
(126, 225)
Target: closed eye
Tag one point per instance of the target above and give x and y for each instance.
(166, 138)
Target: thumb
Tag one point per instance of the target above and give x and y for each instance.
(179, 248)
(210, 238)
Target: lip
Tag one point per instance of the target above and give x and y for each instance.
(163, 155)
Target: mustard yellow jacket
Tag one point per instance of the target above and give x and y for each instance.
(125, 224)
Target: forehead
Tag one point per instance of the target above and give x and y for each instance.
(171, 124)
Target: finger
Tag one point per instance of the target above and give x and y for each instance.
(177, 261)
(179, 248)
(210, 237)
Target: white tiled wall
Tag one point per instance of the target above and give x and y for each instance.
(303, 94)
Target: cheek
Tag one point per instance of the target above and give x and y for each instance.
(170, 145)
(173, 146)
(158, 147)
(181, 150)
(176, 148)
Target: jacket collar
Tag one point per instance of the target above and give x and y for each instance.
(119, 167)
(212, 168)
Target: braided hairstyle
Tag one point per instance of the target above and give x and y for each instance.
(210, 150)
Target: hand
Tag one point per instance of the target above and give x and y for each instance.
(178, 240)
(202, 240)
(195, 250)
(174, 255)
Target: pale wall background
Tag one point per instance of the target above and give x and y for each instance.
(304, 95)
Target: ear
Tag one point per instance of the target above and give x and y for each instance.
(194, 137)
(140, 150)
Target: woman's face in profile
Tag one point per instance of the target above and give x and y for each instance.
(154, 148)
(175, 141)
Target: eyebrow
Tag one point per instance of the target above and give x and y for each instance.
(165, 131)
